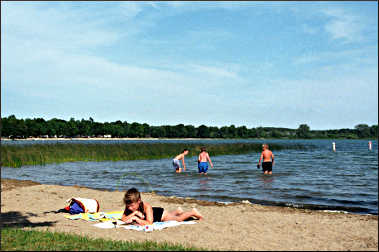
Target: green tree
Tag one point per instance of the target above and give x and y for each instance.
(158, 131)
(203, 131)
(224, 132)
(242, 132)
(252, 133)
(191, 131)
(32, 127)
(180, 131)
(260, 132)
(276, 134)
(374, 131)
(214, 132)
(303, 131)
(363, 130)
(136, 130)
(72, 129)
(146, 130)
(232, 131)
(42, 128)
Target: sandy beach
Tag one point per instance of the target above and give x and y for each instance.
(238, 226)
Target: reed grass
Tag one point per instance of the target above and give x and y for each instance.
(17, 239)
(41, 154)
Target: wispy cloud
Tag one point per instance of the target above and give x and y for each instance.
(343, 25)
(358, 57)
(214, 71)
(308, 29)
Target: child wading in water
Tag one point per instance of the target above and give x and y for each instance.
(203, 161)
(176, 163)
(268, 160)
(143, 214)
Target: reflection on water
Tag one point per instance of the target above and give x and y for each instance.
(317, 178)
(203, 183)
(267, 180)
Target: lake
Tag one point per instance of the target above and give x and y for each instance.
(313, 178)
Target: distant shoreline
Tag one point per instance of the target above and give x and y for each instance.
(105, 138)
(155, 138)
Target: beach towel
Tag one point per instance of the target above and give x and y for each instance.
(99, 216)
(105, 221)
(146, 228)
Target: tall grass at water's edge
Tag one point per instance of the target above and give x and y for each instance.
(41, 154)
(31, 240)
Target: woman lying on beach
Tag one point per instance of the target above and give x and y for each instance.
(143, 214)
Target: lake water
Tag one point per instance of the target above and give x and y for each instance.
(314, 178)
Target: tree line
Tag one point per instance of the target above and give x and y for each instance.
(11, 127)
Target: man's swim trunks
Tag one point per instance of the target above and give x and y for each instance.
(267, 166)
(176, 164)
(203, 167)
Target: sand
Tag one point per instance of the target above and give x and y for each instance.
(239, 226)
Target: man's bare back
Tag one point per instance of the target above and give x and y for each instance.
(203, 157)
(267, 156)
(180, 156)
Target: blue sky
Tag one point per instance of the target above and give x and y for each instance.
(269, 64)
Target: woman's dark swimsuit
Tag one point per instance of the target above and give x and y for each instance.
(157, 212)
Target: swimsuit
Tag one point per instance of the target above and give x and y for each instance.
(176, 164)
(157, 212)
(267, 166)
(203, 167)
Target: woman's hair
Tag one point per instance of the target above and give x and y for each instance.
(202, 149)
(131, 196)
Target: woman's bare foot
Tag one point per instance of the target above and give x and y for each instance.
(197, 214)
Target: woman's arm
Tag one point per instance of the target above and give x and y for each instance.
(149, 215)
(128, 218)
(138, 217)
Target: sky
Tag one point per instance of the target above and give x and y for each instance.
(253, 64)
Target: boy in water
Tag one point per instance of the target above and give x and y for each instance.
(176, 163)
(203, 160)
(268, 160)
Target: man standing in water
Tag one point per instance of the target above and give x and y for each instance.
(268, 160)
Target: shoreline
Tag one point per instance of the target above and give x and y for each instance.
(236, 226)
(108, 139)
(157, 138)
(12, 183)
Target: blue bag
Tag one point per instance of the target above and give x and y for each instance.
(75, 208)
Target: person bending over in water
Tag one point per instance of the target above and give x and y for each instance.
(143, 214)
(203, 160)
(268, 160)
(176, 163)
